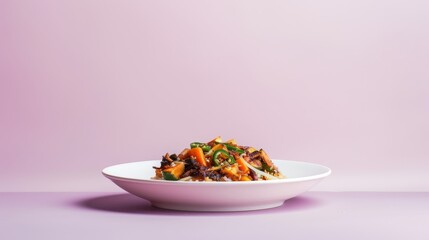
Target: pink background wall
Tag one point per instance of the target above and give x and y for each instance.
(87, 84)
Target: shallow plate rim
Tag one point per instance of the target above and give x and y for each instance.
(157, 181)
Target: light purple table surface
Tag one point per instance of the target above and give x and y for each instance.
(313, 215)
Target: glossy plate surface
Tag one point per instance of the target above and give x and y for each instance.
(135, 178)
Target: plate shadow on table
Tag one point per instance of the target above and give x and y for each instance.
(130, 204)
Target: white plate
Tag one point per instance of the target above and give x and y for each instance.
(135, 178)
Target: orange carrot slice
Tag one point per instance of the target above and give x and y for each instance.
(199, 155)
(241, 165)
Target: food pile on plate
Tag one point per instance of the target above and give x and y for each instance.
(217, 160)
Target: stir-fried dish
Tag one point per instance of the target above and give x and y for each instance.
(217, 161)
